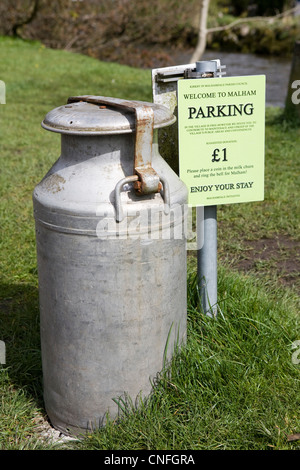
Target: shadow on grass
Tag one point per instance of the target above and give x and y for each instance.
(20, 331)
(285, 118)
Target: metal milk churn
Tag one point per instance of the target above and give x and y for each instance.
(110, 233)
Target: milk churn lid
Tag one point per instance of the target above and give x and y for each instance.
(96, 115)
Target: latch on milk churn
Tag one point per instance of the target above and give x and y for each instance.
(110, 231)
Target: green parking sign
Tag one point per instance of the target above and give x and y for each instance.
(221, 131)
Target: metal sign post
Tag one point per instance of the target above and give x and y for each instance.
(221, 124)
(164, 88)
(207, 269)
(220, 138)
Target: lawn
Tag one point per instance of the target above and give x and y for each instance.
(235, 385)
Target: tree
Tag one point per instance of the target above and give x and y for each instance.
(13, 17)
(202, 32)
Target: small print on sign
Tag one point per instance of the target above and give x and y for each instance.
(221, 131)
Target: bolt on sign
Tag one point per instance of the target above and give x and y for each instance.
(221, 132)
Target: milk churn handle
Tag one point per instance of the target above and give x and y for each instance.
(146, 180)
(134, 179)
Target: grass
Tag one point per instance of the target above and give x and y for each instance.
(234, 385)
(276, 218)
(226, 389)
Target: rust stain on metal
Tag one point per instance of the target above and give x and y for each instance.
(138, 187)
(54, 183)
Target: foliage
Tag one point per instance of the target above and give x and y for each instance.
(139, 32)
(260, 7)
(276, 37)
(102, 29)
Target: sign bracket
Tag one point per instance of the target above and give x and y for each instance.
(164, 90)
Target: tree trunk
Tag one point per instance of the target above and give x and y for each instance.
(27, 20)
(201, 45)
